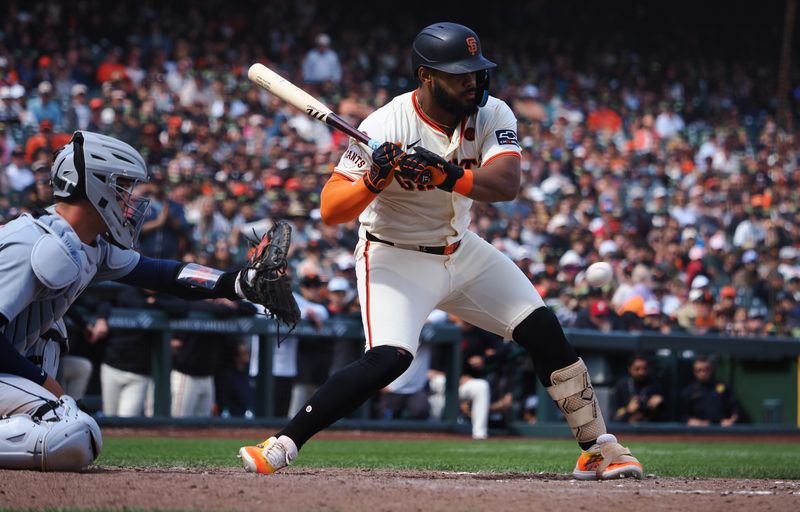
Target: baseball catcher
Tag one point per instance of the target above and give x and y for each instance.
(48, 259)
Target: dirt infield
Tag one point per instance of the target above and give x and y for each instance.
(354, 489)
(305, 489)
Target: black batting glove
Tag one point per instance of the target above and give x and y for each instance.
(416, 169)
(384, 160)
(426, 159)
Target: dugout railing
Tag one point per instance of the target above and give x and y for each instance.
(267, 330)
(762, 371)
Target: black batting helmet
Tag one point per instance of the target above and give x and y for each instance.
(451, 48)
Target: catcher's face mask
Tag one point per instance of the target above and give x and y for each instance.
(104, 171)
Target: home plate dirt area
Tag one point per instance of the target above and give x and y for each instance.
(330, 489)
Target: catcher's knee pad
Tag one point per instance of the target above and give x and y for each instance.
(69, 441)
(573, 394)
(385, 363)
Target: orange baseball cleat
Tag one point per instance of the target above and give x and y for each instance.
(607, 460)
(269, 456)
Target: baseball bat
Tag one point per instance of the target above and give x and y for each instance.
(298, 98)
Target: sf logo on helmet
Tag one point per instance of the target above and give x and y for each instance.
(472, 45)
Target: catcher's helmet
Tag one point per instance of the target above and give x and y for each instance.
(105, 171)
(452, 48)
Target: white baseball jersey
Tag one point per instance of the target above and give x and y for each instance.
(432, 217)
(399, 287)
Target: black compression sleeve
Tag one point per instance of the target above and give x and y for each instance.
(161, 275)
(346, 389)
(15, 363)
(153, 274)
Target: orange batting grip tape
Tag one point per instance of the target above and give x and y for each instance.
(464, 185)
(343, 199)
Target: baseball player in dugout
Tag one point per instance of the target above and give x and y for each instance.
(49, 257)
(448, 144)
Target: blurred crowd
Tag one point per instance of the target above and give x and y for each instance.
(669, 163)
(677, 172)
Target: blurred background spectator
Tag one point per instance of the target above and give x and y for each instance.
(234, 389)
(407, 396)
(321, 63)
(87, 327)
(126, 371)
(706, 401)
(474, 390)
(196, 357)
(637, 396)
(313, 353)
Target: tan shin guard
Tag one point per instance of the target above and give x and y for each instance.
(573, 394)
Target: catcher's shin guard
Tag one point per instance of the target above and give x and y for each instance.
(572, 392)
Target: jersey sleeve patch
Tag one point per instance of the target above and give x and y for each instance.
(506, 137)
(354, 162)
(354, 159)
(53, 264)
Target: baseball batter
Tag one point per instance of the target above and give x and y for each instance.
(46, 261)
(449, 143)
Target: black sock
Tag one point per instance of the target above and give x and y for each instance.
(347, 389)
(542, 336)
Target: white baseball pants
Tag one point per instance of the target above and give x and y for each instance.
(191, 396)
(475, 391)
(398, 288)
(125, 394)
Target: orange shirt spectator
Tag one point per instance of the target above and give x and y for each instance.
(704, 316)
(635, 304)
(111, 69)
(108, 72)
(44, 139)
(604, 119)
(644, 140)
(706, 319)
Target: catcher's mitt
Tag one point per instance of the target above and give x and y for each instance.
(263, 279)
